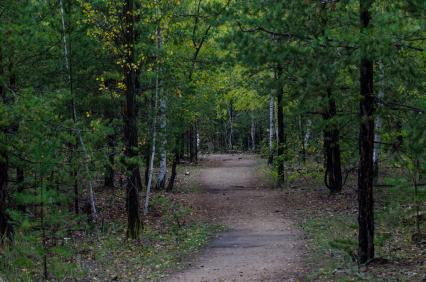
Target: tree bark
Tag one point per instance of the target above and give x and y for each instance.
(307, 134)
(271, 128)
(196, 141)
(333, 169)
(134, 182)
(174, 170)
(231, 126)
(378, 127)
(253, 133)
(366, 145)
(280, 127)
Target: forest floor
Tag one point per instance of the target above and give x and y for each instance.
(226, 221)
(260, 242)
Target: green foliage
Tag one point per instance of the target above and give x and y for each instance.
(215, 69)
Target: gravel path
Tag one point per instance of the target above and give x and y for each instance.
(261, 243)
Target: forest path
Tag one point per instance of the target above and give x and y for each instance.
(261, 243)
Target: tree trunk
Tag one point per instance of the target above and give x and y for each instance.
(134, 183)
(74, 174)
(196, 142)
(307, 134)
(74, 114)
(154, 128)
(191, 144)
(253, 133)
(182, 147)
(280, 127)
(366, 145)
(333, 170)
(174, 170)
(378, 127)
(271, 128)
(161, 180)
(147, 154)
(231, 125)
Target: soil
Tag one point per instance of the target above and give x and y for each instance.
(261, 241)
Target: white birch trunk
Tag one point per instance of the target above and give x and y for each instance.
(276, 121)
(154, 128)
(307, 133)
(94, 214)
(198, 140)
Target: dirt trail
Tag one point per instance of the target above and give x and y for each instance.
(261, 243)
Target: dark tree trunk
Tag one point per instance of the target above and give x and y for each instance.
(20, 186)
(76, 192)
(195, 142)
(182, 148)
(134, 183)
(174, 170)
(366, 146)
(333, 171)
(191, 144)
(280, 126)
(147, 161)
(109, 176)
(19, 177)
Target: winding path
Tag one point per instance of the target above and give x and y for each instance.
(261, 243)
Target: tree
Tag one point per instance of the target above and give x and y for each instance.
(366, 142)
(134, 182)
(280, 125)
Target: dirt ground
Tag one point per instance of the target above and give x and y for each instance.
(261, 242)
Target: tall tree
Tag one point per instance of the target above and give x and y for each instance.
(366, 142)
(280, 125)
(134, 182)
(271, 129)
(333, 170)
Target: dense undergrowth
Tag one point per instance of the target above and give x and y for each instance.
(105, 254)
